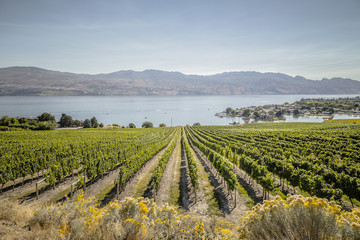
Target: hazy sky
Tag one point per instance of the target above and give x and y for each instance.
(311, 38)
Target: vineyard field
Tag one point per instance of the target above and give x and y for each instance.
(317, 159)
(205, 170)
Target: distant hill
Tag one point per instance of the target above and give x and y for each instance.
(22, 81)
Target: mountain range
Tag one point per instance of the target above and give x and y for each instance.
(32, 81)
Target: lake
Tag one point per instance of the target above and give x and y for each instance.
(171, 110)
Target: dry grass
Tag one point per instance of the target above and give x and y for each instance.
(14, 219)
(13, 212)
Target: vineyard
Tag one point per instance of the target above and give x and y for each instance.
(83, 156)
(207, 170)
(320, 160)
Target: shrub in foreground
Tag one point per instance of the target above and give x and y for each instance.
(79, 218)
(129, 219)
(300, 218)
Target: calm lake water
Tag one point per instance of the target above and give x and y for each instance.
(171, 110)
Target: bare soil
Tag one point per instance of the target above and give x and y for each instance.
(13, 230)
(171, 179)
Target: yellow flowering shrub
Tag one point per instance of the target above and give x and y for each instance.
(133, 218)
(299, 217)
(138, 218)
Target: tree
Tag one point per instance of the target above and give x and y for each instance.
(279, 114)
(246, 113)
(77, 123)
(101, 125)
(14, 121)
(46, 117)
(256, 114)
(22, 120)
(131, 125)
(197, 124)
(65, 120)
(229, 110)
(46, 125)
(94, 122)
(5, 121)
(296, 112)
(162, 125)
(87, 123)
(147, 124)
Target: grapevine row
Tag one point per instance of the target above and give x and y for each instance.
(312, 172)
(258, 172)
(56, 154)
(193, 171)
(138, 160)
(223, 167)
(160, 167)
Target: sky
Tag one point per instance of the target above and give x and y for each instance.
(312, 38)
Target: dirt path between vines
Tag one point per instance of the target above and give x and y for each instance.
(14, 191)
(131, 186)
(204, 192)
(48, 194)
(19, 191)
(93, 189)
(225, 199)
(254, 189)
(169, 185)
(27, 194)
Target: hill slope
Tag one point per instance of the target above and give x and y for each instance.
(36, 81)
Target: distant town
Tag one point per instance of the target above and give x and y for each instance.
(326, 108)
